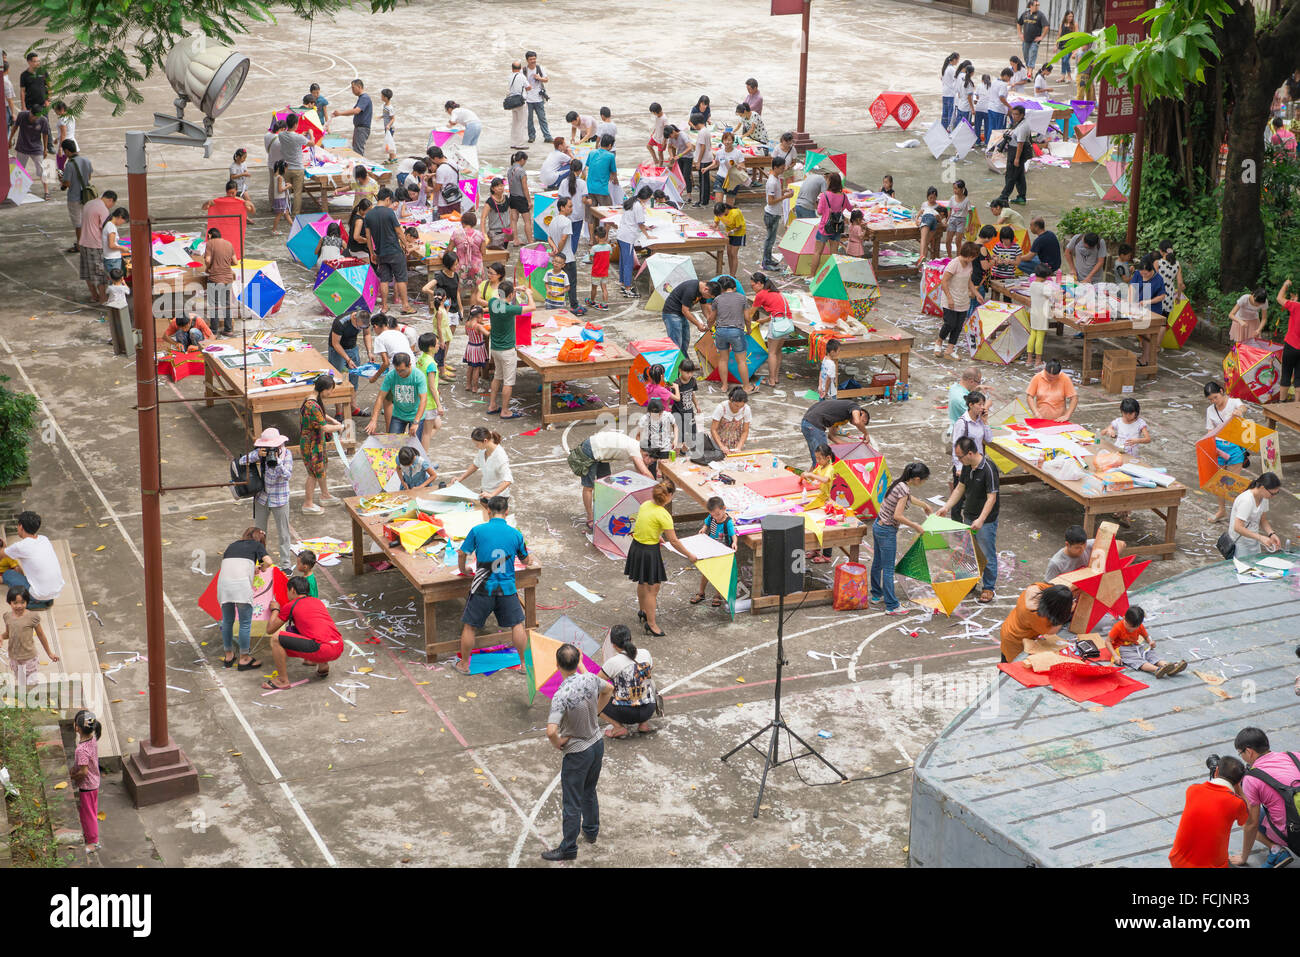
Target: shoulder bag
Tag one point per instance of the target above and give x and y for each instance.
(88, 192)
(513, 100)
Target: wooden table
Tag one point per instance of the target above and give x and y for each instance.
(1095, 505)
(888, 340)
(323, 186)
(696, 482)
(432, 579)
(1148, 336)
(903, 232)
(716, 245)
(250, 402)
(1285, 414)
(610, 361)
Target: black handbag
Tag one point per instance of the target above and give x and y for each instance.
(1226, 546)
(246, 479)
(513, 101)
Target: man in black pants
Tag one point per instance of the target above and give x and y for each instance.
(1291, 345)
(1018, 153)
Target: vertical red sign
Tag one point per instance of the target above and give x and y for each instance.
(782, 7)
(1118, 109)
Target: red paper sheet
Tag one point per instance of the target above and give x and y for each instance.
(1043, 423)
(1083, 683)
(781, 485)
(208, 600)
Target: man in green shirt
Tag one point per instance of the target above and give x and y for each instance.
(402, 395)
(502, 313)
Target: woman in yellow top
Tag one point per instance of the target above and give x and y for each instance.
(645, 563)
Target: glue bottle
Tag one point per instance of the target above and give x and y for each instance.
(449, 555)
(776, 463)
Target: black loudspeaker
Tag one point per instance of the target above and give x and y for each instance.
(783, 554)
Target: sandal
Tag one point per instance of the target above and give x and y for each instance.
(492, 411)
(694, 601)
(229, 661)
(717, 603)
(321, 674)
(250, 666)
(609, 733)
(512, 415)
(272, 686)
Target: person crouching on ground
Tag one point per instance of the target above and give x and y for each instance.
(311, 635)
(634, 696)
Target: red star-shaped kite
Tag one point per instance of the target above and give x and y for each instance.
(1105, 591)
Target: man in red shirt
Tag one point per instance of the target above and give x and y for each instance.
(311, 635)
(1211, 808)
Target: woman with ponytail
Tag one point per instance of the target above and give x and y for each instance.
(884, 533)
(491, 458)
(634, 700)
(768, 299)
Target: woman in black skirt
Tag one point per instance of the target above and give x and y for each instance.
(645, 564)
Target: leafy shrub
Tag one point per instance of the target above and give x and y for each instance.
(1108, 222)
(17, 416)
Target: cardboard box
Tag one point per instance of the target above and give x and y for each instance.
(1118, 371)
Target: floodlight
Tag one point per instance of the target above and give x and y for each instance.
(209, 74)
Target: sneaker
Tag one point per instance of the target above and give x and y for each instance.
(579, 311)
(1020, 202)
(896, 612)
(1279, 858)
(600, 305)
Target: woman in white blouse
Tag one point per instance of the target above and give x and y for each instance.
(1232, 457)
(465, 118)
(491, 458)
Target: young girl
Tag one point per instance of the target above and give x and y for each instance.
(948, 88)
(965, 106)
(720, 527)
(1042, 294)
(1006, 254)
(657, 388)
(85, 775)
(1019, 75)
(656, 144)
(930, 218)
(704, 161)
(281, 202)
(476, 357)
(1231, 456)
(389, 117)
(1040, 80)
(884, 533)
(731, 169)
(730, 220)
(983, 100)
(521, 201)
(239, 171)
(631, 230)
(1126, 641)
(829, 376)
(1130, 429)
(330, 246)
(818, 478)
(959, 208)
(1170, 271)
(686, 405)
(430, 364)
(658, 435)
(857, 235)
(20, 624)
(887, 185)
(600, 253)
(1249, 315)
(999, 90)
(768, 300)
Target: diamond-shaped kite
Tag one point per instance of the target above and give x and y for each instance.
(1179, 325)
(443, 138)
(961, 138)
(844, 287)
(544, 213)
(1083, 109)
(1252, 370)
(305, 233)
(667, 178)
(858, 484)
(543, 672)
(258, 287)
(651, 352)
(943, 556)
(798, 247)
(667, 271)
(826, 162)
(343, 285)
(616, 500)
(900, 106)
(308, 124)
(717, 563)
(755, 356)
(1212, 450)
(530, 268)
(1104, 583)
(931, 294)
(374, 466)
(1001, 331)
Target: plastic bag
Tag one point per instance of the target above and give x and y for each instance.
(1064, 468)
(573, 351)
(852, 586)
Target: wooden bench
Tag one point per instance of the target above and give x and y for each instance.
(76, 680)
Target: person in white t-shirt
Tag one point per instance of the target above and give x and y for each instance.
(948, 88)
(239, 173)
(392, 341)
(38, 569)
(490, 459)
(1249, 527)
(775, 197)
(1231, 457)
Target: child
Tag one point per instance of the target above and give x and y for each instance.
(1019, 75)
(632, 229)
(606, 125)
(656, 388)
(281, 202)
(830, 371)
(556, 283)
(428, 365)
(85, 775)
(658, 436)
(441, 328)
(656, 144)
(66, 128)
(1124, 263)
(20, 623)
(306, 568)
(188, 332)
(1127, 637)
(704, 161)
(887, 185)
(819, 478)
(521, 201)
(1040, 81)
(982, 266)
(930, 219)
(732, 220)
(239, 173)
(959, 208)
(983, 99)
(600, 251)
(112, 249)
(1130, 429)
(118, 318)
(330, 246)
(414, 469)
(719, 527)
(476, 357)
(857, 245)
(686, 405)
(1042, 295)
(731, 169)
(389, 116)
(1006, 254)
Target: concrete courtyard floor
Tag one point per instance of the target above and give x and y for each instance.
(433, 769)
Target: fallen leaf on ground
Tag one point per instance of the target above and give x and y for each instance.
(1221, 693)
(1209, 677)
(1142, 723)
(401, 711)
(198, 518)
(61, 785)
(471, 694)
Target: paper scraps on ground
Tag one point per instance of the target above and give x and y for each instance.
(486, 661)
(589, 595)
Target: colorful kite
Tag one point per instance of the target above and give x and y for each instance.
(651, 352)
(343, 285)
(667, 272)
(1104, 583)
(542, 669)
(826, 162)
(1252, 370)
(931, 294)
(717, 563)
(616, 500)
(755, 356)
(305, 234)
(1001, 331)
(844, 287)
(1213, 450)
(258, 287)
(374, 468)
(530, 268)
(860, 479)
(943, 556)
(1179, 325)
(268, 586)
(798, 247)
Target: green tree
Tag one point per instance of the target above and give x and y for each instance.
(1208, 65)
(109, 46)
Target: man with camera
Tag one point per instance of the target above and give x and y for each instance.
(1015, 143)
(1210, 810)
(1268, 819)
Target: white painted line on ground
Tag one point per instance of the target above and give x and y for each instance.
(194, 643)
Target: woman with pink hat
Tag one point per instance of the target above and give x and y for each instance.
(272, 456)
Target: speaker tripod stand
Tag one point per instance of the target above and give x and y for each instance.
(777, 724)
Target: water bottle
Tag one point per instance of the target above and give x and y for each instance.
(449, 555)
(776, 464)
(886, 393)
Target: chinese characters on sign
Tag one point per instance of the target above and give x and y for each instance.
(1118, 109)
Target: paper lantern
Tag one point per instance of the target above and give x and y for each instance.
(305, 234)
(667, 271)
(258, 288)
(650, 352)
(1104, 583)
(540, 665)
(844, 287)
(755, 356)
(1252, 370)
(900, 106)
(798, 247)
(1001, 331)
(943, 556)
(1251, 436)
(858, 485)
(1179, 325)
(343, 285)
(616, 500)
(531, 265)
(931, 294)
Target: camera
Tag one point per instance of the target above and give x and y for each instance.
(1212, 763)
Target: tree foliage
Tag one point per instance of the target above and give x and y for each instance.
(110, 46)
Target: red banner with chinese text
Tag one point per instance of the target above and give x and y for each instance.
(1118, 109)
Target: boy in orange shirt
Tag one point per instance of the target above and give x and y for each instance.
(1127, 637)
(1211, 808)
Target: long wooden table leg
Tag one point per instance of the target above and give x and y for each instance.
(546, 401)
(430, 630)
(530, 606)
(902, 367)
(1089, 522)
(622, 398)
(358, 547)
(1171, 527)
(208, 390)
(756, 589)
(1087, 359)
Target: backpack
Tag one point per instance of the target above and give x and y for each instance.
(1290, 826)
(835, 221)
(246, 479)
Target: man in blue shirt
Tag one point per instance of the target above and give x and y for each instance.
(1148, 290)
(361, 115)
(1045, 250)
(495, 545)
(601, 172)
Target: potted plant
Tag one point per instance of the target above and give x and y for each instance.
(17, 418)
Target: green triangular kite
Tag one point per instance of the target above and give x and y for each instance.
(827, 283)
(532, 676)
(811, 160)
(913, 564)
